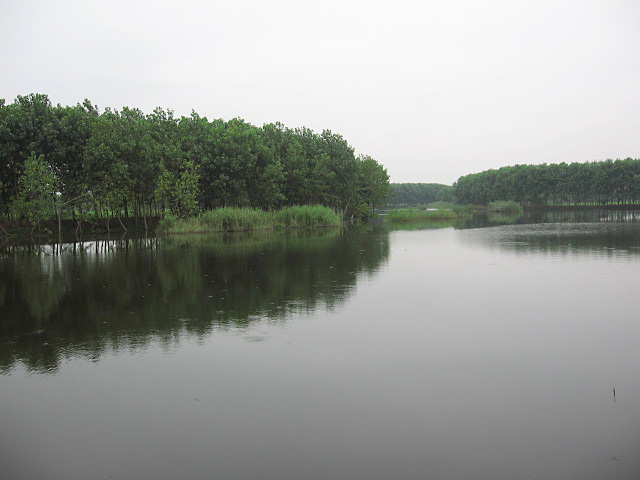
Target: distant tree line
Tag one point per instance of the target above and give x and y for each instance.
(608, 182)
(75, 160)
(419, 193)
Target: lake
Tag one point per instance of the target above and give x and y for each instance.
(439, 353)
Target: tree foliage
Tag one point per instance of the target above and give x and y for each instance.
(419, 193)
(127, 163)
(608, 182)
(37, 188)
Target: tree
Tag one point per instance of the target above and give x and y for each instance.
(186, 191)
(37, 191)
(416, 193)
(114, 163)
(374, 182)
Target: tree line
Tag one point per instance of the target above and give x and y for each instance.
(78, 161)
(419, 193)
(607, 182)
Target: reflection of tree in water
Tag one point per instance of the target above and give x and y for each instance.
(110, 296)
(583, 215)
(553, 215)
(593, 239)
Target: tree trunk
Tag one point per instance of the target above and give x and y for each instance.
(143, 209)
(59, 226)
(122, 224)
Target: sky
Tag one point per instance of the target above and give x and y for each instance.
(431, 89)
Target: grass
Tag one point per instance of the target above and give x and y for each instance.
(505, 206)
(249, 219)
(416, 214)
(440, 205)
(307, 216)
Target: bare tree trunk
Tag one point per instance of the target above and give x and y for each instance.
(144, 215)
(122, 224)
(59, 228)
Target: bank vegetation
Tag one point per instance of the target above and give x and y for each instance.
(80, 163)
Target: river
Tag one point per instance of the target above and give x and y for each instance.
(502, 352)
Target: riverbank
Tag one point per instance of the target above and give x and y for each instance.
(72, 230)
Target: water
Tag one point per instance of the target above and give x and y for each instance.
(431, 353)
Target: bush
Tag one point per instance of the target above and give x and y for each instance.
(167, 223)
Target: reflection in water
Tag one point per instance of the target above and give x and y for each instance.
(113, 295)
(559, 215)
(482, 219)
(477, 353)
(594, 239)
(488, 219)
(588, 215)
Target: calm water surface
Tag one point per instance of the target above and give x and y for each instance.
(485, 353)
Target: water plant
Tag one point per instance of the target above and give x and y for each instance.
(248, 219)
(413, 214)
(409, 214)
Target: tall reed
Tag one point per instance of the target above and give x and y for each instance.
(410, 214)
(230, 219)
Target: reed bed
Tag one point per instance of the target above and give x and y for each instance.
(229, 219)
(411, 214)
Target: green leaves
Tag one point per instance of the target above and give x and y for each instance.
(125, 162)
(416, 193)
(612, 181)
(37, 190)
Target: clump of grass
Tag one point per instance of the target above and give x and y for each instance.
(452, 212)
(410, 214)
(504, 206)
(249, 219)
(440, 205)
(464, 210)
(307, 216)
(235, 219)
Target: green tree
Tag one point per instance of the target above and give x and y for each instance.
(186, 191)
(374, 182)
(37, 191)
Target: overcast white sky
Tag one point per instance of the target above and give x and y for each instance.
(431, 89)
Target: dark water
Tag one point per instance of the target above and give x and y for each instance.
(484, 353)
